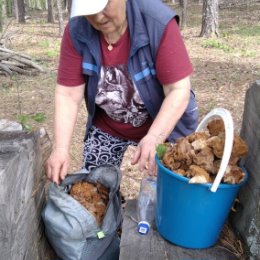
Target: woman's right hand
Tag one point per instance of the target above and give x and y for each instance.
(57, 165)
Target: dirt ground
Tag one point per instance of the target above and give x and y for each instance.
(224, 68)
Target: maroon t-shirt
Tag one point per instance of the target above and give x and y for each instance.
(120, 110)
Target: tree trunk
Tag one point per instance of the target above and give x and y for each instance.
(210, 19)
(68, 2)
(247, 217)
(50, 11)
(15, 9)
(184, 4)
(21, 11)
(1, 16)
(60, 17)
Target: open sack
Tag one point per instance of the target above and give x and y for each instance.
(72, 230)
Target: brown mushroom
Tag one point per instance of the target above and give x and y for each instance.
(215, 127)
(198, 175)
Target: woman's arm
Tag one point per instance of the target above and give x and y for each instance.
(67, 102)
(176, 101)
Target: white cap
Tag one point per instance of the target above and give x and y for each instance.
(87, 7)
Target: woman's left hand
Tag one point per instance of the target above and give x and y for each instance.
(145, 154)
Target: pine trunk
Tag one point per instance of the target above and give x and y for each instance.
(50, 11)
(184, 4)
(210, 19)
(60, 17)
(1, 16)
(21, 11)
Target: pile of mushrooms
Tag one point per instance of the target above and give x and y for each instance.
(198, 156)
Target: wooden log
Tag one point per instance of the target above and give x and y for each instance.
(19, 70)
(29, 63)
(28, 67)
(22, 195)
(5, 50)
(247, 218)
(153, 247)
(5, 56)
(14, 63)
(5, 69)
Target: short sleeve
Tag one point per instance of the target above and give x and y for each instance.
(70, 64)
(172, 60)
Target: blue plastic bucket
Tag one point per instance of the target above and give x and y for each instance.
(190, 215)
(193, 215)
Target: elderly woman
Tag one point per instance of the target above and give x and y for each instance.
(129, 62)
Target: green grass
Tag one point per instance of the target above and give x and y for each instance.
(241, 50)
(44, 44)
(247, 53)
(54, 51)
(5, 89)
(251, 31)
(51, 50)
(217, 44)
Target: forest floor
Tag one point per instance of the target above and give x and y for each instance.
(224, 68)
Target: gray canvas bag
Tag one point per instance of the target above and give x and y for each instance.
(72, 230)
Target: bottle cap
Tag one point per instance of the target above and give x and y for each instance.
(143, 227)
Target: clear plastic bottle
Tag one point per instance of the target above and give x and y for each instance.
(146, 205)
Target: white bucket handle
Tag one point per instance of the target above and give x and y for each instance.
(229, 137)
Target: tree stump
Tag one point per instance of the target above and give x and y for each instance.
(22, 195)
(134, 246)
(247, 219)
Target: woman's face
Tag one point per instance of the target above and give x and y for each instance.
(111, 18)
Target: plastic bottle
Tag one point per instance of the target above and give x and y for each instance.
(146, 205)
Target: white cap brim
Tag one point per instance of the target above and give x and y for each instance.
(87, 7)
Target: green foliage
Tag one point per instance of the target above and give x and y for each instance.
(25, 120)
(160, 150)
(39, 117)
(213, 43)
